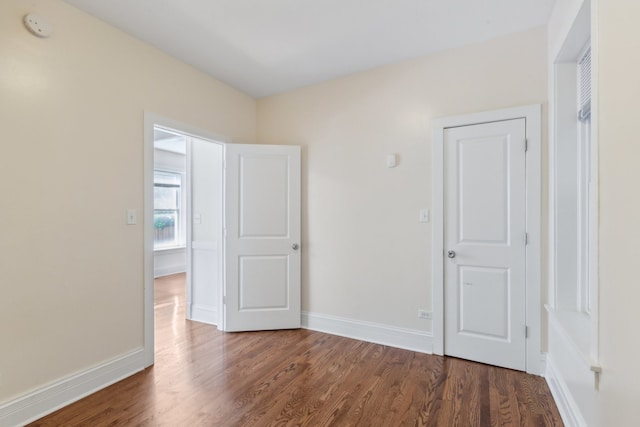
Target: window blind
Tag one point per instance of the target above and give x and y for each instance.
(584, 82)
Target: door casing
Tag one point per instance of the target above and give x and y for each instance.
(532, 115)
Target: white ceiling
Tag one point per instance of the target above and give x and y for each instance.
(264, 47)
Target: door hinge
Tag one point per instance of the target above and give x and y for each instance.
(224, 300)
(526, 238)
(526, 332)
(526, 145)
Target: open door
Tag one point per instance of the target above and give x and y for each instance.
(262, 243)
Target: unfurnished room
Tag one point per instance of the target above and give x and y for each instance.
(329, 213)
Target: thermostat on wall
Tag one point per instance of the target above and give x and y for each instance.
(392, 160)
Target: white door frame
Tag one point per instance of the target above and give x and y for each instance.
(151, 120)
(532, 116)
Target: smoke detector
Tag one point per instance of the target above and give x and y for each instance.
(37, 25)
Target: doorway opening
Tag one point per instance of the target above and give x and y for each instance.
(169, 204)
(256, 261)
(183, 222)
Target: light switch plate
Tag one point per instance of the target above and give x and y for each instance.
(424, 215)
(424, 314)
(132, 217)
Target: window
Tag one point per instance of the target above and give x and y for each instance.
(573, 161)
(584, 177)
(574, 188)
(168, 215)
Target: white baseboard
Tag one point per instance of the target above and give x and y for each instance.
(166, 271)
(569, 411)
(409, 339)
(204, 314)
(543, 365)
(43, 401)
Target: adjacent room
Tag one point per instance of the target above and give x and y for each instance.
(374, 213)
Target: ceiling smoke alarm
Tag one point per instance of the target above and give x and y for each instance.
(37, 25)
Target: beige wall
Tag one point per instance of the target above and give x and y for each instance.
(619, 91)
(72, 116)
(72, 163)
(366, 255)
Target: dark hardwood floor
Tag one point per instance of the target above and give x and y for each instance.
(203, 377)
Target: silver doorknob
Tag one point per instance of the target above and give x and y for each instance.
(295, 246)
(451, 254)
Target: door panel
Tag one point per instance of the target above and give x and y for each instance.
(485, 225)
(264, 192)
(204, 229)
(475, 284)
(258, 294)
(262, 220)
(483, 218)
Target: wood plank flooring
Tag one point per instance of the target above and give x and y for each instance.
(203, 377)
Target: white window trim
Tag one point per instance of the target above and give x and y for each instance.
(584, 27)
(532, 115)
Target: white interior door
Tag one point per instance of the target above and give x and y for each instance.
(204, 234)
(262, 243)
(485, 226)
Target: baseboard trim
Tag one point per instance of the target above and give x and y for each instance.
(204, 314)
(167, 271)
(569, 411)
(43, 401)
(543, 365)
(409, 339)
